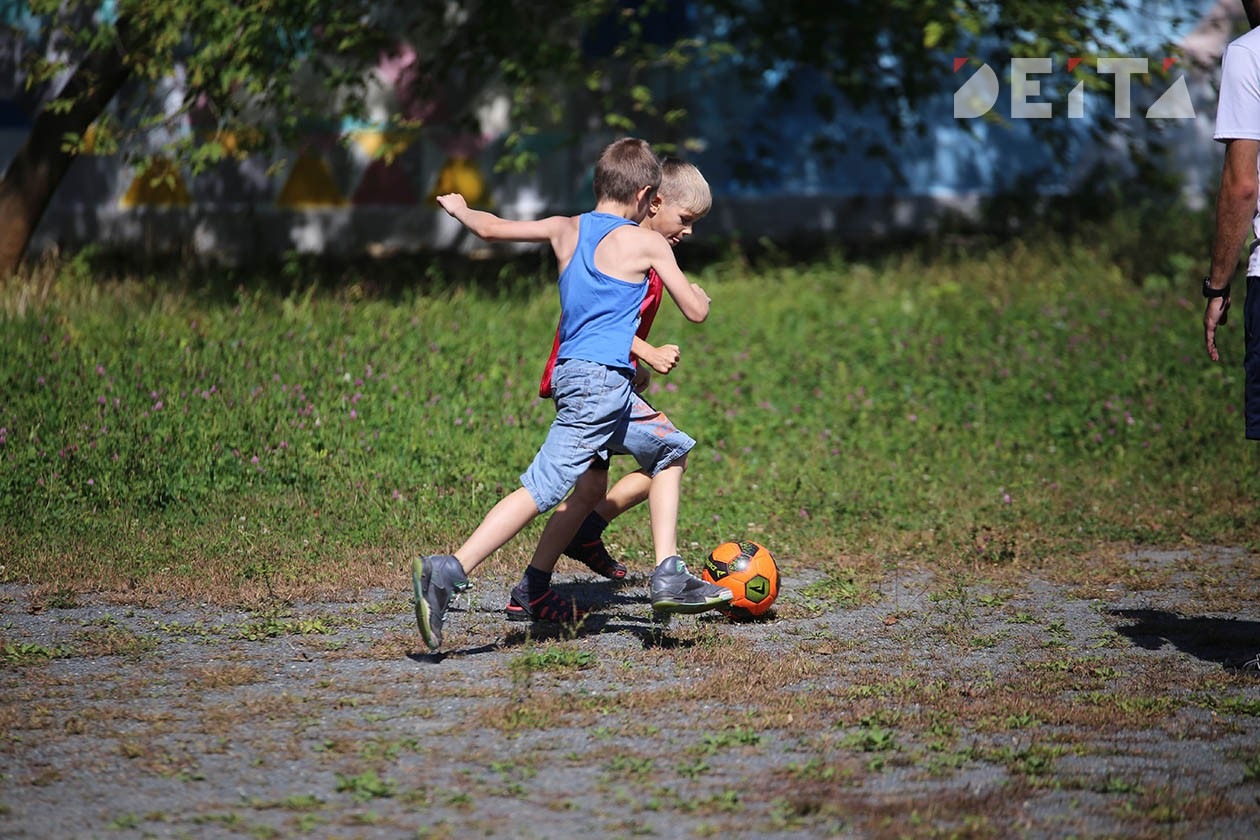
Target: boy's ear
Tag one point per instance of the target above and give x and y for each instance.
(654, 206)
(644, 192)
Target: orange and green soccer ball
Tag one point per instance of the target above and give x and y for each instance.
(748, 570)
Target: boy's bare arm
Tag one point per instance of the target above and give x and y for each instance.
(691, 299)
(492, 228)
(661, 359)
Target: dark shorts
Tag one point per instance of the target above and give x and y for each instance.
(1251, 358)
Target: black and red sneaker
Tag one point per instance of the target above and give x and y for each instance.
(596, 558)
(550, 606)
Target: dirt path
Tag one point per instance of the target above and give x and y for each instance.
(1111, 705)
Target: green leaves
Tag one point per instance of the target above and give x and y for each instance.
(274, 70)
(932, 34)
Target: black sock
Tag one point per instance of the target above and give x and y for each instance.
(537, 582)
(592, 528)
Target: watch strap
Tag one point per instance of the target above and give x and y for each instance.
(1210, 292)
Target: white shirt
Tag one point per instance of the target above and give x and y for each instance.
(1238, 111)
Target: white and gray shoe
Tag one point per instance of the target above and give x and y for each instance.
(434, 580)
(675, 590)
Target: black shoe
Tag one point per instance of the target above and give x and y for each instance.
(550, 606)
(597, 558)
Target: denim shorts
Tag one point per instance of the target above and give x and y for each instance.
(597, 412)
(648, 428)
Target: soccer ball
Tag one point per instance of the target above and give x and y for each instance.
(748, 570)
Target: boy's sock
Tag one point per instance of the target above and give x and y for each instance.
(591, 530)
(587, 546)
(536, 582)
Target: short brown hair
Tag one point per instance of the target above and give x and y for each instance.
(683, 185)
(625, 167)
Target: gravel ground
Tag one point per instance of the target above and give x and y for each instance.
(942, 705)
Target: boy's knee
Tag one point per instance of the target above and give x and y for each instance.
(680, 462)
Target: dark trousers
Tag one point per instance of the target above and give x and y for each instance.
(1251, 358)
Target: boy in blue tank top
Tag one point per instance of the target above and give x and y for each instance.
(604, 258)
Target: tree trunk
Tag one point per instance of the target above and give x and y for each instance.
(40, 165)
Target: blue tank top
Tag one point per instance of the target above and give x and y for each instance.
(598, 313)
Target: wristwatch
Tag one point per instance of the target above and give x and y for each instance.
(1209, 292)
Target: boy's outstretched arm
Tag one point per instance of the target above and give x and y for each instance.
(691, 299)
(495, 229)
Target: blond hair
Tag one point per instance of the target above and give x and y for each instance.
(625, 167)
(683, 185)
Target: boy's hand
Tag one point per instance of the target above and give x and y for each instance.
(662, 359)
(452, 203)
(642, 378)
(695, 287)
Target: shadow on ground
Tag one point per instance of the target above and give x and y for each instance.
(1231, 642)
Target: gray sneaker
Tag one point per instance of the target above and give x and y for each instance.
(434, 579)
(675, 590)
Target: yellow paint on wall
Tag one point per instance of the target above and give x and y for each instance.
(462, 175)
(383, 144)
(310, 185)
(237, 143)
(160, 186)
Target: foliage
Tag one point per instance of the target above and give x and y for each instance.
(875, 75)
(238, 62)
(991, 407)
(255, 74)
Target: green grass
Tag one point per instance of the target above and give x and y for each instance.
(995, 407)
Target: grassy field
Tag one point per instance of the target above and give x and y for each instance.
(306, 430)
(1010, 497)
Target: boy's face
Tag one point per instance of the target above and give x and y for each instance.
(670, 220)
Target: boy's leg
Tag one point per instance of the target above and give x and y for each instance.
(566, 518)
(673, 588)
(586, 544)
(652, 439)
(630, 491)
(504, 521)
(663, 499)
(590, 401)
(533, 599)
(437, 577)
(661, 448)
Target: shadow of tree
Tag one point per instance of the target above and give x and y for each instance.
(1231, 642)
